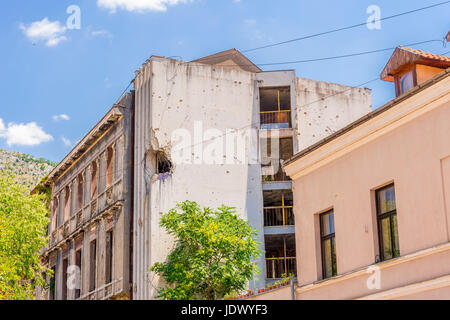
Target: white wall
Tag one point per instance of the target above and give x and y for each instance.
(171, 95)
(323, 108)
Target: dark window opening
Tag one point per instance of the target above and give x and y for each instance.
(387, 223)
(280, 256)
(92, 265)
(64, 284)
(278, 208)
(328, 245)
(52, 284)
(272, 158)
(55, 214)
(80, 192)
(78, 264)
(109, 257)
(275, 108)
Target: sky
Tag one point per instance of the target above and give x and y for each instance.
(65, 63)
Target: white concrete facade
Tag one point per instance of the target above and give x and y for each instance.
(173, 95)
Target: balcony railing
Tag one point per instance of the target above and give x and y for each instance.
(277, 268)
(280, 119)
(279, 216)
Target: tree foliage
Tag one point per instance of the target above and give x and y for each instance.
(23, 224)
(213, 253)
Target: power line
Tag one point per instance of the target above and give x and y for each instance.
(344, 28)
(344, 56)
(316, 59)
(305, 105)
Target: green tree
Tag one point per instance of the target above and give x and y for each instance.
(23, 224)
(213, 253)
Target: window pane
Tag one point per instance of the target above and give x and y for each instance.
(386, 200)
(333, 247)
(327, 224)
(407, 82)
(395, 235)
(386, 238)
(327, 260)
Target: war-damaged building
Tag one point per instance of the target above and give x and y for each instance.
(215, 131)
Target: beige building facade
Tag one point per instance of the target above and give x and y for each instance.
(372, 201)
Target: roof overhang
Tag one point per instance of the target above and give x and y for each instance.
(403, 58)
(111, 118)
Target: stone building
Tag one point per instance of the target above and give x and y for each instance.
(90, 211)
(216, 131)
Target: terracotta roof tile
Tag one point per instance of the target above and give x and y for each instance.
(427, 55)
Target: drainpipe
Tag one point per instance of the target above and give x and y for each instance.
(293, 282)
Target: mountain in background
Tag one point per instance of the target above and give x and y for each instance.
(28, 169)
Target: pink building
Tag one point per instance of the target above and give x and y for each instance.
(372, 201)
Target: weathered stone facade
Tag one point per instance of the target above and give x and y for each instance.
(89, 233)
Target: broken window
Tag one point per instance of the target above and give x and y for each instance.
(78, 255)
(52, 284)
(109, 257)
(274, 152)
(80, 189)
(92, 264)
(94, 179)
(67, 204)
(275, 108)
(109, 166)
(64, 280)
(55, 214)
(164, 165)
(280, 256)
(278, 208)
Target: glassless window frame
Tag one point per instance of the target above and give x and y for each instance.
(391, 216)
(331, 238)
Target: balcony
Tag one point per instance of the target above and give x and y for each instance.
(279, 216)
(280, 256)
(278, 268)
(275, 108)
(279, 119)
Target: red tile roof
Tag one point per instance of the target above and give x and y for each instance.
(427, 55)
(404, 57)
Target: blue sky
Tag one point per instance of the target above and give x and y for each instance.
(57, 83)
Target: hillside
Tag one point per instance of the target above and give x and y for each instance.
(28, 169)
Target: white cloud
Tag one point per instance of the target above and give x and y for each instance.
(61, 117)
(52, 33)
(66, 142)
(21, 134)
(138, 5)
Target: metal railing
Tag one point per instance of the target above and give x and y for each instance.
(280, 119)
(277, 268)
(279, 216)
